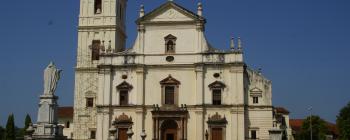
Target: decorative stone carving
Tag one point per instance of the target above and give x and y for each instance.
(124, 86)
(217, 119)
(170, 81)
(217, 84)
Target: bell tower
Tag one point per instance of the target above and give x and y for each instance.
(101, 28)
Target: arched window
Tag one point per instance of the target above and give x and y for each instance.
(170, 43)
(170, 47)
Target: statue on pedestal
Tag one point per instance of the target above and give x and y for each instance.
(46, 127)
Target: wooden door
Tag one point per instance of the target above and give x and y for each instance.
(216, 134)
(170, 134)
(122, 134)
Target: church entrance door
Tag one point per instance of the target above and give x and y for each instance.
(169, 130)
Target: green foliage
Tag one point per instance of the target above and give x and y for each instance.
(343, 123)
(10, 128)
(319, 129)
(27, 121)
(2, 131)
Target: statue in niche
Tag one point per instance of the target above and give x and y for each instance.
(51, 77)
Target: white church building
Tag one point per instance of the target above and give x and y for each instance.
(171, 83)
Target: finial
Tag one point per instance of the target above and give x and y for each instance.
(232, 44)
(142, 10)
(239, 43)
(199, 9)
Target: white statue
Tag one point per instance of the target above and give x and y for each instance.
(51, 77)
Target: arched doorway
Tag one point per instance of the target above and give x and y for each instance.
(169, 130)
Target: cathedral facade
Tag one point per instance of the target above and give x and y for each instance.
(171, 84)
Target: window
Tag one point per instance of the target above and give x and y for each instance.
(67, 124)
(170, 43)
(255, 100)
(170, 47)
(217, 97)
(95, 50)
(253, 134)
(98, 7)
(89, 102)
(92, 134)
(169, 95)
(124, 97)
(170, 89)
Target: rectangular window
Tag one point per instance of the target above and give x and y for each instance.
(169, 95)
(253, 134)
(217, 97)
(89, 102)
(124, 97)
(255, 100)
(95, 50)
(92, 134)
(98, 7)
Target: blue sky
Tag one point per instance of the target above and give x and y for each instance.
(301, 45)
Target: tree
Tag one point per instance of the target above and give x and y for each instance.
(319, 129)
(10, 128)
(343, 122)
(1, 133)
(27, 121)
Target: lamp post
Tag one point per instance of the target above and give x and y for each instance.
(310, 109)
(143, 135)
(130, 133)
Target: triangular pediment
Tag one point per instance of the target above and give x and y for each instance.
(217, 84)
(255, 90)
(170, 81)
(170, 12)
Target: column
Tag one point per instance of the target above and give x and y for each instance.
(199, 85)
(199, 125)
(140, 86)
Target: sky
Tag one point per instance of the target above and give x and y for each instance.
(301, 45)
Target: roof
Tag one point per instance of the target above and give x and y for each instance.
(282, 110)
(65, 112)
(175, 6)
(296, 125)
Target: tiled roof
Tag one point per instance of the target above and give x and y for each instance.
(281, 110)
(65, 112)
(296, 124)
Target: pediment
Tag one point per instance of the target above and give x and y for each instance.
(170, 81)
(217, 84)
(124, 86)
(170, 12)
(256, 90)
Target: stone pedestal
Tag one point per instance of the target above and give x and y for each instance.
(275, 134)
